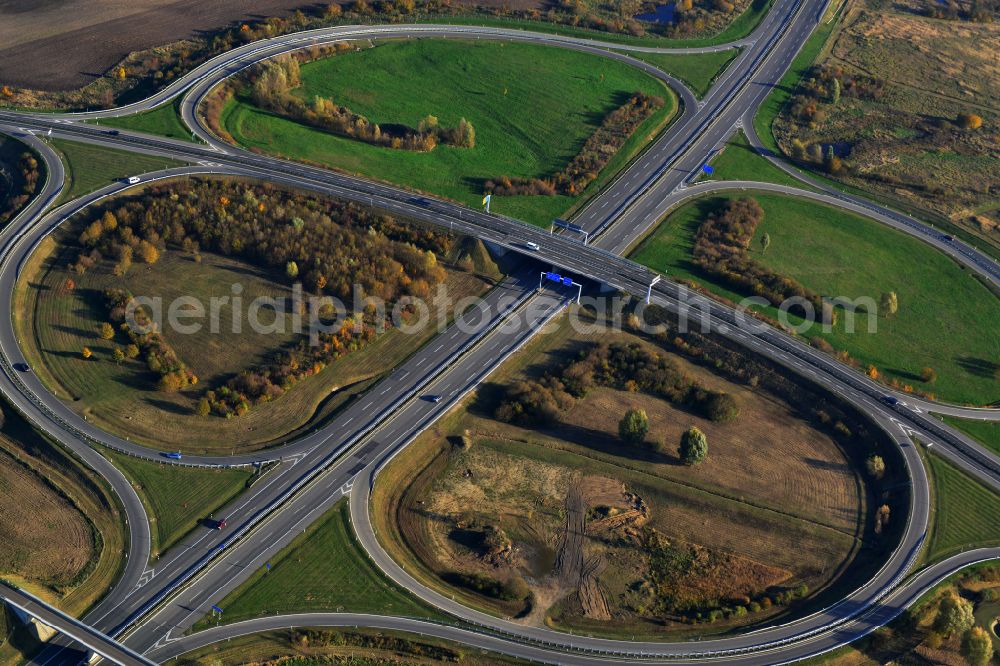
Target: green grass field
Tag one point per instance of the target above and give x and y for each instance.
(323, 569)
(964, 511)
(986, 433)
(164, 120)
(740, 161)
(698, 71)
(840, 254)
(177, 498)
(741, 26)
(532, 108)
(90, 167)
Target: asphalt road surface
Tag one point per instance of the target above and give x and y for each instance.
(153, 605)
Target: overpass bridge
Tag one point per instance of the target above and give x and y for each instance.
(95, 641)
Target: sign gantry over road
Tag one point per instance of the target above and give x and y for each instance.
(565, 281)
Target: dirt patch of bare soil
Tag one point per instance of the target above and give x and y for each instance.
(66, 44)
(63, 45)
(607, 535)
(581, 541)
(43, 537)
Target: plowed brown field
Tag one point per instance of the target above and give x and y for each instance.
(43, 537)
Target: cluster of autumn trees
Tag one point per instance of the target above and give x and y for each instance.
(22, 186)
(106, 240)
(629, 367)
(721, 249)
(977, 11)
(672, 567)
(829, 83)
(339, 245)
(147, 342)
(272, 84)
(690, 17)
(320, 638)
(270, 380)
(693, 450)
(597, 151)
(955, 622)
(824, 85)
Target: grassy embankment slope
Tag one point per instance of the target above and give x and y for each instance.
(698, 71)
(839, 254)
(776, 100)
(61, 531)
(177, 498)
(323, 569)
(532, 108)
(356, 646)
(164, 120)
(740, 161)
(89, 167)
(965, 511)
(987, 432)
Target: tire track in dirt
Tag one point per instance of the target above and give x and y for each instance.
(595, 606)
(571, 570)
(568, 568)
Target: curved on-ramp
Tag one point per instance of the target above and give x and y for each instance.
(35, 410)
(894, 604)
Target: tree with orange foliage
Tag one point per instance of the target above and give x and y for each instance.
(148, 252)
(969, 121)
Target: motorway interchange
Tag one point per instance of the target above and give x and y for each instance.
(153, 605)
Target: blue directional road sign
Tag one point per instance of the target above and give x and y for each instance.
(567, 281)
(707, 169)
(217, 609)
(567, 225)
(555, 277)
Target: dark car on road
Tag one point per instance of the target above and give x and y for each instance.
(890, 400)
(22, 367)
